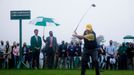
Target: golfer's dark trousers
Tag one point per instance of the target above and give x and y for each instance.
(85, 57)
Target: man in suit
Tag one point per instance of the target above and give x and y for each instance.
(51, 49)
(36, 44)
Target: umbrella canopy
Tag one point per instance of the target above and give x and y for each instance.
(42, 21)
(128, 37)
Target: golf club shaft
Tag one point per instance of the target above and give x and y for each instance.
(82, 18)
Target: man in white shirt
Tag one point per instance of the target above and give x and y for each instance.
(110, 55)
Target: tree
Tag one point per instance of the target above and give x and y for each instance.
(116, 44)
(75, 40)
(100, 39)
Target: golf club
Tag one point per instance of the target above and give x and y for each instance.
(92, 5)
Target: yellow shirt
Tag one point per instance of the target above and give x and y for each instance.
(89, 37)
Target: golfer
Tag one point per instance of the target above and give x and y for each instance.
(90, 49)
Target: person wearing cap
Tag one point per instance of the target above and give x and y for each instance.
(90, 49)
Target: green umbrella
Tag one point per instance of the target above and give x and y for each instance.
(43, 21)
(128, 37)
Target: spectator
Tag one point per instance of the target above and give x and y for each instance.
(51, 49)
(130, 54)
(16, 54)
(102, 60)
(110, 55)
(71, 49)
(26, 54)
(77, 55)
(77, 61)
(1, 53)
(36, 44)
(11, 63)
(41, 59)
(122, 60)
(7, 54)
(2, 47)
(62, 54)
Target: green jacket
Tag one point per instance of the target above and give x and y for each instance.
(122, 50)
(35, 44)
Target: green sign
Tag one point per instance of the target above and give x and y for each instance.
(22, 14)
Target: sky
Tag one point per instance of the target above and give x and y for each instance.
(111, 18)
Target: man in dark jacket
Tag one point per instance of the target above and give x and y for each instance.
(51, 49)
(90, 49)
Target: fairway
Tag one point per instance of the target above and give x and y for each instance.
(62, 72)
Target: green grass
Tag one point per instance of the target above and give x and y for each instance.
(62, 72)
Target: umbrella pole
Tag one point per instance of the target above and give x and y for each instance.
(43, 31)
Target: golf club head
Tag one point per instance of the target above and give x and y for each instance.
(93, 5)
